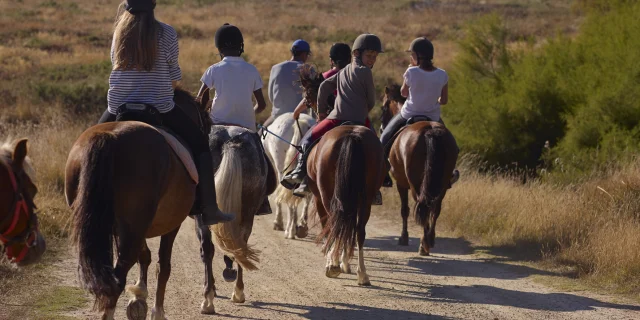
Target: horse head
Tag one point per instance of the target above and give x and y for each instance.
(19, 233)
(310, 81)
(197, 110)
(392, 102)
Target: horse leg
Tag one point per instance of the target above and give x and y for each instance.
(429, 237)
(290, 230)
(344, 264)
(228, 273)
(129, 245)
(363, 278)
(332, 270)
(238, 291)
(404, 212)
(277, 223)
(302, 230)
(207, 250)
(164, 270)
(137, 307)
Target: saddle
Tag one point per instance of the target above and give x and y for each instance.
(149, 115)
(410, 121)
(415, 119)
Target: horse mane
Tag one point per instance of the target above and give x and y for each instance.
(6, 154)
(393, 93)
(183, 97)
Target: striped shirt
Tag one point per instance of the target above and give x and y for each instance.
(148, 87)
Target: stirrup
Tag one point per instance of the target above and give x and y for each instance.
(302, 190)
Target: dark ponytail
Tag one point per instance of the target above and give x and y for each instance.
(425, 64)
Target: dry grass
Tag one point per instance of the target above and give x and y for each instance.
(593, 228)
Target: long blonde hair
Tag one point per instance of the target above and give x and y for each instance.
(135, 45)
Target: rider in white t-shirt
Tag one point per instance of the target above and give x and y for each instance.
(426, 89)
(235, 82)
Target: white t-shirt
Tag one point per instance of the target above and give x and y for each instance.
(234, 80)
(425, 88)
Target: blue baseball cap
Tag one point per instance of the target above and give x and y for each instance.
(301, 46)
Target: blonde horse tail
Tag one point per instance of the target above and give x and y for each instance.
(229, 194)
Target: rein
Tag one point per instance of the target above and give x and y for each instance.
(21, 205)
(265, 131)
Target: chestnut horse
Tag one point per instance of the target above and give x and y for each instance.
(19, 234)
(125, 183)
(422, 157)
(344, 174)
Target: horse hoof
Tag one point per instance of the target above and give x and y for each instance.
(157, 315)
(332, 272)
(137, 309)
(302, 232)
(230, 275)
(403, 241)
(207, 308)
(364, 284)
(237, 297)
(278, 227)
(423, 252)
(345, 268)
(363, 279)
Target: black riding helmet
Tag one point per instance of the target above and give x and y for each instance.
(368, 41)
(138, 6)
(340, 52)
(229, 37)
(422, 47)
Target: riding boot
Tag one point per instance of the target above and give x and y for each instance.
(387, 183)
(206, 203)
(303, 189)
(298, 174)
(265, 208)
(377, 200)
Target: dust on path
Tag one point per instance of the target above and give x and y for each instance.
(453, 283)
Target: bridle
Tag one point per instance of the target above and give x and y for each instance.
(22, 205)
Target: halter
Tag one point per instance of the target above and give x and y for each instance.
(22, 204)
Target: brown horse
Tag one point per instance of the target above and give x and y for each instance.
(344, 173)
(125, 183)
(422, 157)
(19, 234)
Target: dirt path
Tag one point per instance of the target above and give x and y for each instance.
(454, 283)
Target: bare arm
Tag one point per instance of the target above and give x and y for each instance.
(404, 91)
(260, 103)
(327, 88)
(175, 83)
(302, 107)
(203, 93)
(444, 95)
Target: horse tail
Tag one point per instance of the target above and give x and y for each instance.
(229, 194)
(348, 197)
(432, 184)
(94, 219)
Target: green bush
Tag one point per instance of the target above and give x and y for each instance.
(580, 95)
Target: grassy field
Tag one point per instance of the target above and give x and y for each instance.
(54, 67)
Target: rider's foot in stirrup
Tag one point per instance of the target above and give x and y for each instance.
(296, 176)
(302, 190)
(377, 200)
(455, 176)
(387, 183)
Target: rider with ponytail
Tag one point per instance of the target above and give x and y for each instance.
(426, 88)
(144, 54)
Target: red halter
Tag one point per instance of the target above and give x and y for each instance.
(20, 206)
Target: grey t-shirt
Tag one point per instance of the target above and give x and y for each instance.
(285, 92)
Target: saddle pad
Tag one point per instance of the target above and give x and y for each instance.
(183, 154)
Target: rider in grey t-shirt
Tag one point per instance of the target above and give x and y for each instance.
(285, 92)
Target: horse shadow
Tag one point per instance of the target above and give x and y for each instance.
(489, 295)
(338, 311)
(452, 246)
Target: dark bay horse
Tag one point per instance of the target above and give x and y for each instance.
(125, 183)
(344, 173)
(242, 180)
(422, 157)
(19, 234)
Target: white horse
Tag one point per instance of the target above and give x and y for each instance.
(282, 156)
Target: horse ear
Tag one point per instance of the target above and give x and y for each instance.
(387, 90)
(19, 153)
